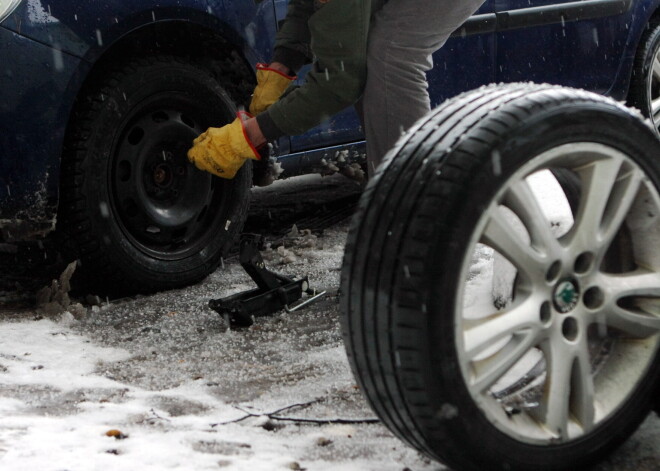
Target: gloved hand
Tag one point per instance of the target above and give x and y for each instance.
(271, 84)
(223, 151)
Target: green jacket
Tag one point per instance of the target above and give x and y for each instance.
(333, 35)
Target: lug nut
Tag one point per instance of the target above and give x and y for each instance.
(553, 271)
(584, 262)
(593, 297)
(570, 329)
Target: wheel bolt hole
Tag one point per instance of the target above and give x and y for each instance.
(546, 313)
(584, 262)
(569, 329)
(135, 136)
(593, 297)
(553, 271)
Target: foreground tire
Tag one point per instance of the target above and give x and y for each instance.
(645, 84)
(569, 369)
(137, 214)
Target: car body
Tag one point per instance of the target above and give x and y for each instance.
(51, 49)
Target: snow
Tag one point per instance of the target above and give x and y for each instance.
(188, 394)
(65, 403)
(165, 371)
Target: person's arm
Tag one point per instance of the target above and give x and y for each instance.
(292, 51)
(338, 34)
(292, 43)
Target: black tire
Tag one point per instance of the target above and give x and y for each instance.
(644, 87)
(133, 210)
(405, 263)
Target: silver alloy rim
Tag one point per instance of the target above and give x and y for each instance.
(654, 89)
(580, 332)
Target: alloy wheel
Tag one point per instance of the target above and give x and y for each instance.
(583, 326)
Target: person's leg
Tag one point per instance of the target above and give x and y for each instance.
(403, 35)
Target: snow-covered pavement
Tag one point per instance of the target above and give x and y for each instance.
(180, 392)
(165, 372)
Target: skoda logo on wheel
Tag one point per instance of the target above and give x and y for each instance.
(566, 296)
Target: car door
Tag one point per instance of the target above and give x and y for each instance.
(572, 43)
(465, 62)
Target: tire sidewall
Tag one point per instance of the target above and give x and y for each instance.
(639, 93)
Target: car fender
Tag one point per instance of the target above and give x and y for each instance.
(71, 40)
(646, 10)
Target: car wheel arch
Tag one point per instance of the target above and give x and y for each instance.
(621, 84)
(142, 41)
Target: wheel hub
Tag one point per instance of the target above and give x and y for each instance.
(565, 295)
(163, 171)
(164, 176)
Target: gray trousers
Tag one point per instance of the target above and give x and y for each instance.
(402, 37)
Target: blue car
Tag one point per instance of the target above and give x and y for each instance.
(99, 102)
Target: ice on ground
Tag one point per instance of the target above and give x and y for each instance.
(165, 372)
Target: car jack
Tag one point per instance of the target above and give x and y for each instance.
(275, 292)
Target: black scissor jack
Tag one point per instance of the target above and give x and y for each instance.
(274, 292)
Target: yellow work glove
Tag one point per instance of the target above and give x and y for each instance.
(270, 86)
(223, 151)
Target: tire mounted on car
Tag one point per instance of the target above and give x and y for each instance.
(568, 369)
(134, 211)
(644, 91)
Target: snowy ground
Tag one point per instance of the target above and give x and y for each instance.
(181, 392)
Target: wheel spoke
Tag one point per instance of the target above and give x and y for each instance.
(522, 201)
(622, 199)
(556, 395)
(598, 181)
(642, 283)
(484, 333)
(504, 238)
(569, 391)
(655, 109)
(635, 323)
(582, 391)
(637, 289)
(489, 370)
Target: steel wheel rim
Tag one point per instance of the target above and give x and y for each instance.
(164, 205)
(567, 303)
(654, 89)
